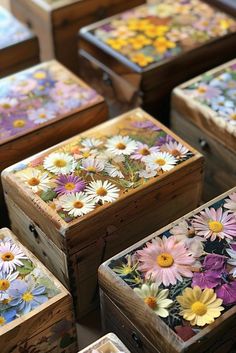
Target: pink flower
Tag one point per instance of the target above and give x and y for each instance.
(165, 261)
(143, 150)
(230, 203)
(213, 224)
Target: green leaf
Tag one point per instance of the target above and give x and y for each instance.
(51, 289)
(48, 195)
(26, 268)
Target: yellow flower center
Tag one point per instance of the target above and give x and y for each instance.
(233, 116)
(175, 153)
(165, 260)
(201, 89)
(151, 302)
(4, 284)
(7, 256)
(69, 186)
(121, 146)
(144, 152)
(27, 297)
(33, 181)
(127, 270)
(6, 105)
(19, 123)
(42, 116)
(91, 169)
(199, 308)
(78, 204)
(40, 75)
(215, 226)
(86, 154)
(2, 321)
(60, 163)
(101, 192)
(160, 161)
(191, 233)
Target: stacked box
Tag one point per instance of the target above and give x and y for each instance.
(107, 344)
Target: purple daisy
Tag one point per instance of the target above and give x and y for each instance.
(206, 279)
(146, 124)
(215, 262)
(227, 292)
(67, 184)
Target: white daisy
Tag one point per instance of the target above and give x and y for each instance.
(10, 257)
(147, 173)
(60, 163)
(176, 149)
(86, 152)
(113, 171)
(92, 165)
(107, 156)
(5, 282)
(77, 204)
(102, 191)
(161, 161)
(41, 115)
(121, 145)
(8, 103)
(232, 261)
(91, 142)
(36, 180)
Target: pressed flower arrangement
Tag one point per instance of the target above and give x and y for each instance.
(186, 273)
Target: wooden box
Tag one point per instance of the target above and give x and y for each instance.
(36, 311)
(175, 291)
(204, 112)
(104, 202)
(107, 344)
(147, 51)
(228, 6)
(57, 22)
(18, 45)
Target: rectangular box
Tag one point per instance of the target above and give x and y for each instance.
(204, 111)
(36, 312)
(150, 49)
(105, 198)
(107, 344)
(174, 291)
(57, 23)
(18, 45)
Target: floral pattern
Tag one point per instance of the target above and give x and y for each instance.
(23, 286)
(187, 275)
(40, 95)
(217, 91)
(83, 175)
(11, 30)
(152, 34)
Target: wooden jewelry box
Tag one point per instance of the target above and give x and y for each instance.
(85, 199)
(57, 22)
(36, 311)
(150, 49)
(107, 344)
(175, 291)
(18, 45)
(204, 112)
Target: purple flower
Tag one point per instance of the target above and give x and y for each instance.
(206, 279)
(163, 140)
(215, 262)
(146, 124)
(227, 292)
(67, 184)
(7, 316)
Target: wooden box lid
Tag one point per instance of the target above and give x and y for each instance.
(107, 344)
(148, 38)
(209, 101)
(28, 293)
(169, 282)
(39, 96)
(104, 169)
(12, 31)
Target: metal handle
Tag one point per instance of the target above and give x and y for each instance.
(106, 78)
(137, 340)
(204, 144)
(33, 231)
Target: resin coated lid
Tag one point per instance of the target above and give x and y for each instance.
(39, 96)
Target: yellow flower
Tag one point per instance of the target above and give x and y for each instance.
(139, 42)
(116, 44)
(200, 307)
(162, 45)
(138, 24)
(141, 59)
(156, 31)
(225, 24)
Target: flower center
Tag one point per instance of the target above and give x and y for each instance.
(127, 270)
(160, 161)
(2, 321)
(151, 302)
(42, 116)
(78, 204)
(191, 233)
(7, 256)
(27, 297)
(165, 260)
(6, 105)
(60, 163)
(86, 154)
(144, 152)
(4, 284)
(40, 75)
(19, 123)
(91, 169)
(101, 192)
(233, 116)
(69, 186)
(215, 226)
(175, 153)
(199, 308)
(33, 182)
(121, 146)
(201, 89)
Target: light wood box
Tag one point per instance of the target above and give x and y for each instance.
(107, 344)
(144, 67)
(18, 45)
(49, 327)
(139, 327)
(74, 248)
(57, 22)
(209, 130)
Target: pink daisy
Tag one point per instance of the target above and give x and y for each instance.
(165, 261)
(143, 150)
(176, 149)
(212, 224)
(230, 203)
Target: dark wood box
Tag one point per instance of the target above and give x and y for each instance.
(136, 283)
(203, 112)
